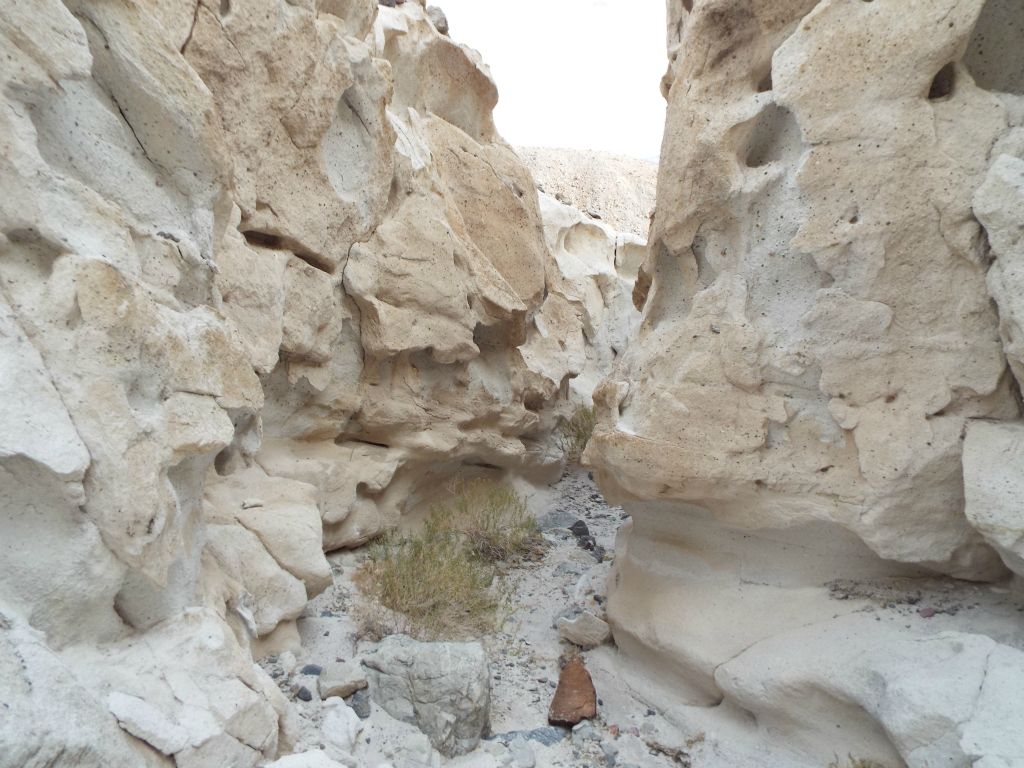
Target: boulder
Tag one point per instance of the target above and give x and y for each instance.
(586, 630)
(442, 688)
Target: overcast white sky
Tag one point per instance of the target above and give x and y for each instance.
(571, 73)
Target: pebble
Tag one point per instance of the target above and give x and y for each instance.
(312, 669)
(360, 703)
(304, 694)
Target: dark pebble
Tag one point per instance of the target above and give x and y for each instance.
(312, 669)
(304, 694)
(360, 703)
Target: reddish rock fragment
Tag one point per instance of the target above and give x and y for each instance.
(575, 698)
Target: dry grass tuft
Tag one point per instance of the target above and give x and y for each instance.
(491, 518)
(445, 582)
(855, 762)
(576, 431)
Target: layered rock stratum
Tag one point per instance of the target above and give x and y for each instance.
(267, 274)
(829, 306)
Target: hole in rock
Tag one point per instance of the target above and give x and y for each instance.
(774, 136)
(533, 401)
(263, 240)
(706, 274)
(225, 7)
(993, 54)
(222, 462)
(349, 440)
(275, 242)
(942, 83)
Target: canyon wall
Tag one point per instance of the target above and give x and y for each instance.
(838, 204)
(267, 272)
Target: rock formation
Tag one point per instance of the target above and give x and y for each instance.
(817, 335)
(269, 277)
(266, 272)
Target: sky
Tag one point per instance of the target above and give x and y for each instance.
(583, 74)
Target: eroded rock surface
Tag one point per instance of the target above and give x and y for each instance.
(267, 271)
(817, 336)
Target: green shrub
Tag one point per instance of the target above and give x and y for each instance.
(576, 431)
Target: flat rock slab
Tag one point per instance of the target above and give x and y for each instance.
(342, 679)
(575, 698)
(585, 630)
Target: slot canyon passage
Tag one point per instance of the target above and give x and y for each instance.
(298, 359)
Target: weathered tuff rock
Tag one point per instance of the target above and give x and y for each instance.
(994, 486)
(443, 688)
(817, 334)
(266, 272)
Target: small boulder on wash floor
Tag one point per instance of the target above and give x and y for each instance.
(342, 679)
(442, 688)
(586, 630)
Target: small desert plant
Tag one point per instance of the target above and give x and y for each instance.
(432, 582)
(575, 432)
(445, 581)
(491, 517)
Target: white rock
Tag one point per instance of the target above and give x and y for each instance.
(585, 630)
(277, 594)
(994, 486)
(314, 758)
(340, 729)
(444, 688)
(286, 520)
(997, 204)
(288, 662)
(522, 753)
(147, 723)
